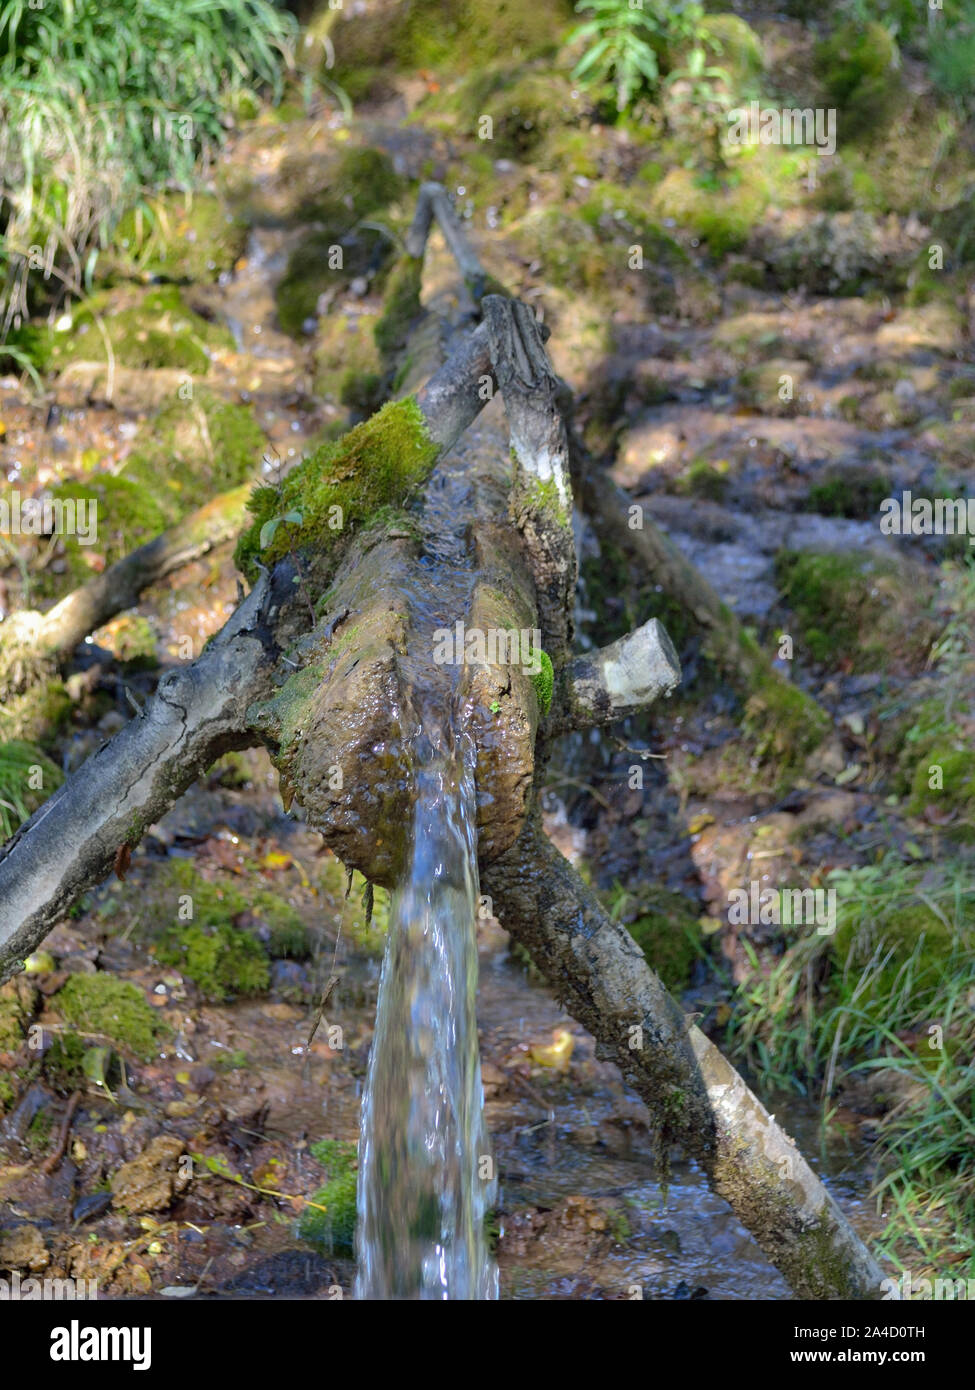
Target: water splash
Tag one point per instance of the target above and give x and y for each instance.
(423, 1150)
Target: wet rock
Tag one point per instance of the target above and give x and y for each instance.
(90, 1205)
(151, 1181)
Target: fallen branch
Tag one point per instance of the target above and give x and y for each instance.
(694, 1096)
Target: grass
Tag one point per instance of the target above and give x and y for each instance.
(890, 997)
(102, 100)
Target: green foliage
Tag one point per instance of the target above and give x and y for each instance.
(341, 485)
(620, 55)
(857, 66)
(628, 46)
(18, 799)
(890, 994)
(329, 1219)
(109, 99)
(951, 54)
(109, 1008)
(544, 681)
(856, 610)
(221, 960)
(665, 926)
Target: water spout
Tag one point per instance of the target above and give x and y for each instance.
(425, 1168)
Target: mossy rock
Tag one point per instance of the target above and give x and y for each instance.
(944, 783)
(860, 612)
(146, 328)
(666, 928)
(324, 259)
(857, 67)
(225, 945)
(102, 1006)
(172, 237)
(775, 387)
(525, 107)
(720, 213)
(222, 961)
(360, 182)
(339, 488)
(443, 36)
(328, 1221)
(855, 491)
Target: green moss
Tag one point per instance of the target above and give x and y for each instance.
(857, 610)
(128, 515)
(957, 791)
(64, 1063)
(544, 681)
(193, 450)
(913, 930)
(340, 486)
(187, 454)
(445, 36)
(16, 1007)
(856, 491)
(401, 305)
(150, 328)
(324, 259)
(706, 479)
(8, 1093)
(221, 960)
(857, 66)
(785, 723)
(329, 1222)
(225, 945)
(172, 237)
(665, 927)
(721, 213)
(111, 1008)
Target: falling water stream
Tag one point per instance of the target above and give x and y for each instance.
(425, 1166)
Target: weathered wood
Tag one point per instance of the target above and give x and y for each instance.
(694, 1096)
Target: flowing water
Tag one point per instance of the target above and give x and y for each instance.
(425, 1164)
(426, 1173)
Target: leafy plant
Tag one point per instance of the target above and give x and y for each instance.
(101, 100)
(620, 55)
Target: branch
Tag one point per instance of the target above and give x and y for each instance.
(120, 586)
(198, 712)
(620, 679)
(694, 1095)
